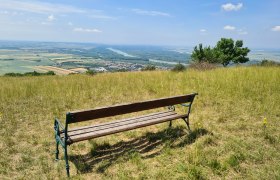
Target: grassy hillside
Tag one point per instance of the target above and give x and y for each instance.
(228, 139)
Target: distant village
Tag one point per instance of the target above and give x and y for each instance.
(104, 66)
(122, 66)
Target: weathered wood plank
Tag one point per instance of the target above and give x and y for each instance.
(121, 128)
(126, 122)
(84, 115)
(116, 122)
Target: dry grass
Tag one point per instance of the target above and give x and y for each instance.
(228, 139)
(203, 66)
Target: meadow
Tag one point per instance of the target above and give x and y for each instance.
(234, 121)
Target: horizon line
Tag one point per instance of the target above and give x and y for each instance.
(120, 44)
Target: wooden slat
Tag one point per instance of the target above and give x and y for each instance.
(118, 121)
(84, 115)
(125, 122)
(118, 129)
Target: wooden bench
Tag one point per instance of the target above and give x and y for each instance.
(65, 136)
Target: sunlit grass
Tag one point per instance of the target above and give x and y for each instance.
(229, 139)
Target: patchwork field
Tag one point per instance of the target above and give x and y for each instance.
(230, 137)
(56, 70)
(18, 57)
(25, 60)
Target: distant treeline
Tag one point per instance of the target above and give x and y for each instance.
(266, 62)
(149, 67)
(34, 73)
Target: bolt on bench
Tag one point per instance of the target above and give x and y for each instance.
(65, 136)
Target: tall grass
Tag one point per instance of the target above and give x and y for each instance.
(228, 139)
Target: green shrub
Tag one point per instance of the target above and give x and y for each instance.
(13, 74)
(91, 72)
(266, 62)
(122, 70)
(50, 73)
(34, 73)
(149, 67)
(179, 67)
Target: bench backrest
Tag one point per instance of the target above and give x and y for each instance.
(85, 115)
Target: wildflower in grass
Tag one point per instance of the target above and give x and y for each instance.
(264, 122)
(264, 126)
(198, 125)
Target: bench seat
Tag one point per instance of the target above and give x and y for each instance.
(66, 135)
(103, 129)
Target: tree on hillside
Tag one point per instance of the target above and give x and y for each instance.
(224, 52)
(227, 51)
(198, 54)
(203, 54)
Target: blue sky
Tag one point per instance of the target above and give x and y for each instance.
(148, 22)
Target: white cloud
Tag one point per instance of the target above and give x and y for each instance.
(38, 7)
(51, 18)
(150, 13)
(242, 32)
(276, 28)
(70, 24)
(203, 32)
(232, 7)
(230, 28)
(87, 30)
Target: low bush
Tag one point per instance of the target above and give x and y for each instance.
(266, 62)
(179, 67)
(34, 73)
(149, 67)
(91, 72)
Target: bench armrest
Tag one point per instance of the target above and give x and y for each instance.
(58, 123)
(188, 106)
(185, 105)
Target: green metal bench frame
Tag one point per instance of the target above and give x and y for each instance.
(70, 118)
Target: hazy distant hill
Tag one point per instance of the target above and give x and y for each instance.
(20, 56)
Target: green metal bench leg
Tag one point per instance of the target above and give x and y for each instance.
(187, 122)
(170, 123)
(66, 161)
(56, 151)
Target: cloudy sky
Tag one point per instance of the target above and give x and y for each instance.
(149, 22)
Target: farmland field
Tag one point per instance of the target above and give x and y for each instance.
(26, 56)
